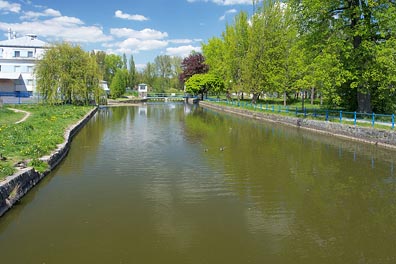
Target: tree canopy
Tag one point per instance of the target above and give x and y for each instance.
(203, 83)
(67, 74)
(343, 51)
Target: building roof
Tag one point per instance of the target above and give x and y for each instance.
(26, 41)
(10, 75)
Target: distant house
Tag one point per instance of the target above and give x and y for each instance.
(18, 57)
(105, 87)
(142, 89)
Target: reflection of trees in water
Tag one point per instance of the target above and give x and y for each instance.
(88, 140)
(332, 199)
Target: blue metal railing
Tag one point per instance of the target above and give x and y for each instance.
(340, 116)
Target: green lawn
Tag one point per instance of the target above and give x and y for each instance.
(8, 116)
(37, 136)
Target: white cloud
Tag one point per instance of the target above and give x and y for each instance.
(9, 7)
(122, 15)
(225, 2)
(146, 33)
(231, 11)
(60, 28)
(30, 15)
(182, 51)
(181, 41)
(134, 45)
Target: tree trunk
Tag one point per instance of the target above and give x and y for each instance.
(312, 95)
(255, 98)
(284, 98)
(364, 102)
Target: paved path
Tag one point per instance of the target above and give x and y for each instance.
(27, 114)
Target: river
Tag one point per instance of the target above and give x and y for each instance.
(175, 183)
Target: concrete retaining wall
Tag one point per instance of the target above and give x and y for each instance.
(386, 138)
(14, 187)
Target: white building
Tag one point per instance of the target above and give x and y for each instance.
(18, 57)
(142, 89)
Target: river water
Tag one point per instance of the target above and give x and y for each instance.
(172, 183)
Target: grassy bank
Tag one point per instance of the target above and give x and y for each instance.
(37, 136)
(8, 116)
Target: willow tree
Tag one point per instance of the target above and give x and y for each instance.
(67, 74)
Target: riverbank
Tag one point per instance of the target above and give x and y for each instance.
(14, 187)
(379, 137)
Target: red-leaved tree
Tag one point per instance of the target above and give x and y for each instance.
(193, 64)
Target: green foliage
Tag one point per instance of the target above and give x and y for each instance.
(112, 64)
(118, 85)
(67, 74)
(204, 83)
(346, 40)
(38, 135)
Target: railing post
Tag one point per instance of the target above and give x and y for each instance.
(305, 112)
(273, 108)
(373, 120)
(327, 115)
(296, 111)
(354, 118)
(393, 121)
(341, 116)
(261, 106)
(315, 112)
(279, 109)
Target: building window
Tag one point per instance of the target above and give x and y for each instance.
(17, 53)
(30, 82)
(29, 68)
(30, 54)
(17, 68)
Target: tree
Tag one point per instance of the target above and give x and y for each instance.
(214, 53)
(163, 66)
(118, 85)
(67, 74)
(204, 83)
(149, 74)
(360, 30)
(112, 64)
(193, 64)
(124, 61)
(176, 71)
(132, 76)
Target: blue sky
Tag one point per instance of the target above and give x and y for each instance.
(144, 28)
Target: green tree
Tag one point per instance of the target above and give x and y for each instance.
(149, 74)
(67, 74)
(118, 85)
(112, 64)
(203, 83)
(132, 76)
(163, 66)
(360, 30)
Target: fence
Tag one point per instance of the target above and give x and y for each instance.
(18, 98)
(341, 116)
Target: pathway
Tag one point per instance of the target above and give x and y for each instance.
(27, 114)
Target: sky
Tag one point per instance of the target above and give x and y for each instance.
(142, 28)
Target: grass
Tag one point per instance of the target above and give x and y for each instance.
(332, 118)
(38, 136)
(8, 116)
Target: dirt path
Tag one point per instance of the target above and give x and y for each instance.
(27, 114)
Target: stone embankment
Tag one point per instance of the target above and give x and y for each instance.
(385, 138)
(14, 187)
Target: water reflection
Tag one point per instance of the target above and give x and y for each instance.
(173, 183)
